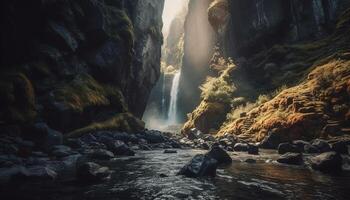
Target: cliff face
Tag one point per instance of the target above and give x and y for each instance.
(289, 73)
(198, 44)
(72, 63)
(255, 25)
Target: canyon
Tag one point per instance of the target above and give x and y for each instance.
(157, 99)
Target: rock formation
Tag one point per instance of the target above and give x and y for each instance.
(290, 73)
(76, 63)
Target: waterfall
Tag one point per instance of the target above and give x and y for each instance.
(172, 113)
(163, 109)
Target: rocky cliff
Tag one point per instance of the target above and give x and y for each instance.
(199, 41)
(294, 52)
(77, 64)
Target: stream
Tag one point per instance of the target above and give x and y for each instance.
(152, 175)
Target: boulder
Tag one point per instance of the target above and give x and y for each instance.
(220, 155)
(327, 162)
(200, 165)
(321, 145)
(101, 154)
(241, 147)
(61, 151)
(287, 148)
(254, 150)
(291, 159)
(310, 149)
(341, 147)
(300, 144)
(119, 148)
(92, 172)
(169, 151)
(46, 137)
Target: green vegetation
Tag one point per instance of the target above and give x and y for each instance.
(120, 26)
(84, 91)
(17, 98)
(220, 89)
(120, 122)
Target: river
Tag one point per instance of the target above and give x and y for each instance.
(152, 175)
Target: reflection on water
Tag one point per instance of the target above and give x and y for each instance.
(152, 175)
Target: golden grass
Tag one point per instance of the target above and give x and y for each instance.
(120, 122)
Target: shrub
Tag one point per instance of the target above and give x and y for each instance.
(219, 89)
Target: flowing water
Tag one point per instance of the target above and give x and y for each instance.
(152, 175)
(173, 99)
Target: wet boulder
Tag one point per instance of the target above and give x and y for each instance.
(119, 148)
(287, 148)
(101, 154)
(327, 162)
(92, 172)
(321, 145)
(291, 159)
(300, 144)
(220, 155)
(341, 147)
(44, 136)
(61, 151)
(253, 150)
(200, 165)
(241, 147)
(310, 149)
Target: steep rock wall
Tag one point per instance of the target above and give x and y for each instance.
(199, 41)
(258, 24)
(72, 63)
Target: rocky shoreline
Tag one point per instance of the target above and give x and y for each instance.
(56, 158)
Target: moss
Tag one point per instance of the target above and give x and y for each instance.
(219, 89)
(120, 27)
(207, 116)
(84, 92)
(17, 98)
(120, 122)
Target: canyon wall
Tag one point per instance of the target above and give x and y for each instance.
(289, 75)
(199, 41)
(74, 63)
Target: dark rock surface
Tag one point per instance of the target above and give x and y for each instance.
(85, 60)
(206, 165)
(291, 159)
(321, 145)
(220, 155)
(200, 165)
(327, 162)
(287, 147)
(92, 172)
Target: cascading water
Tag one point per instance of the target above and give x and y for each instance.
(172, 113)
(163, 96)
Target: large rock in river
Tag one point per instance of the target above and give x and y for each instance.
(327, 162)
(200, 165)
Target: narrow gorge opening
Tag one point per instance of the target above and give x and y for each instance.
(162, 108)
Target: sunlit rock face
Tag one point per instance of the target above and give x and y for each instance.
(198, 44)
(258, 24)
(82, 61)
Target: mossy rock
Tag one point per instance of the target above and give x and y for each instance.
(17, 98)
(84, 91)
(207, 116)
(120, 122)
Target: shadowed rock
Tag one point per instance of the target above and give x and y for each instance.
(327, 162)
(291, 159)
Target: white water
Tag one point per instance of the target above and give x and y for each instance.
(172, 113)
(163, 96)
